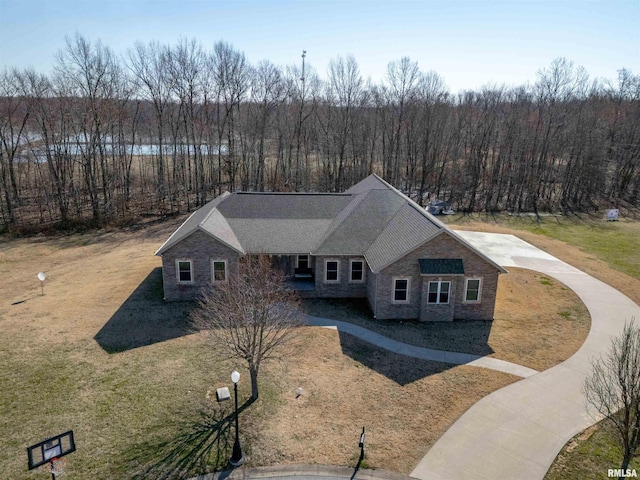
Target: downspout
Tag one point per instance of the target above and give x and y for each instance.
(375, 299)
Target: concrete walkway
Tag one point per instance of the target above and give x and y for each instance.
(517, 431)
(455, 358)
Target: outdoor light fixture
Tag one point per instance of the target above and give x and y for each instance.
(237, 457)
(42, 277)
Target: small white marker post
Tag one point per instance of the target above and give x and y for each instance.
(42, 277)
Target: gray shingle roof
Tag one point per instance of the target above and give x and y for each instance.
(407, 230)
(358, 226)
(279, 236)
(372, 182)
(300, 206)
(193, 223)
(441, 266)
(371, 218)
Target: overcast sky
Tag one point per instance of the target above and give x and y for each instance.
(469, 43)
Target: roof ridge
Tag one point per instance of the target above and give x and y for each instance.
(397, 212)
(201, 226)
(342, 216)
(222, 197)
(409, 204)
(415, 205)
(332, 194)
(192, 228)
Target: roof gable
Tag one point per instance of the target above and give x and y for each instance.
(192, 223)
(371, 218)
(407, 230)
(372, 182)
(360, 224)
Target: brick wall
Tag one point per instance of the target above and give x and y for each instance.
(439, 312)
(344, 288)
(442, 246)
(200, 248)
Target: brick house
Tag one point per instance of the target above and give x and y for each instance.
(370, 241)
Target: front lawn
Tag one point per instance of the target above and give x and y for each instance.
(537, 338)
(102, 354)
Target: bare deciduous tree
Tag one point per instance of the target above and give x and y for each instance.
(613, 389)
(251, 316)
(95, 141)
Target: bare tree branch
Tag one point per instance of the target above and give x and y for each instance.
(251, 316)
(613, 389)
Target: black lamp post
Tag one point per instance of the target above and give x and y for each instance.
(237, 457)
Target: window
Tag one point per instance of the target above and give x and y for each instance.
(331, 271)
(401, 290)
(472, 290)
(439, 292)
(218, 271)
(184, 271)
(356, 274)
(303, 261)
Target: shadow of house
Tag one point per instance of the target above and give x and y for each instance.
(405, 369)
(145, 318)
(401, 369)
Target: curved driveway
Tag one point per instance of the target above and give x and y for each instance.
(517, 431)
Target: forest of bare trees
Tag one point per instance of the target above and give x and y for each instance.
(165, 128)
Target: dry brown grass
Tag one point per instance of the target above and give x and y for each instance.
(405, 404)
(538, 323)
(586, 261)
(102, 354)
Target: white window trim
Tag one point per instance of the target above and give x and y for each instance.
(393, 290)
(466, 289)
(438, 302)
(351, 262)
(327, 260)
(178, 262)
(226, 270)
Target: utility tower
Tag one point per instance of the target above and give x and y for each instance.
(297, 179)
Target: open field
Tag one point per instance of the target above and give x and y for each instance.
(101, 353)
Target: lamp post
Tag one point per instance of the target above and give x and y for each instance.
(237, 457)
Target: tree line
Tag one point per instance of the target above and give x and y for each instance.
(165, 128)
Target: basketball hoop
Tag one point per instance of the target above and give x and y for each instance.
(56, 466)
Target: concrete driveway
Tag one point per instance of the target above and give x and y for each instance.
(517, 431)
